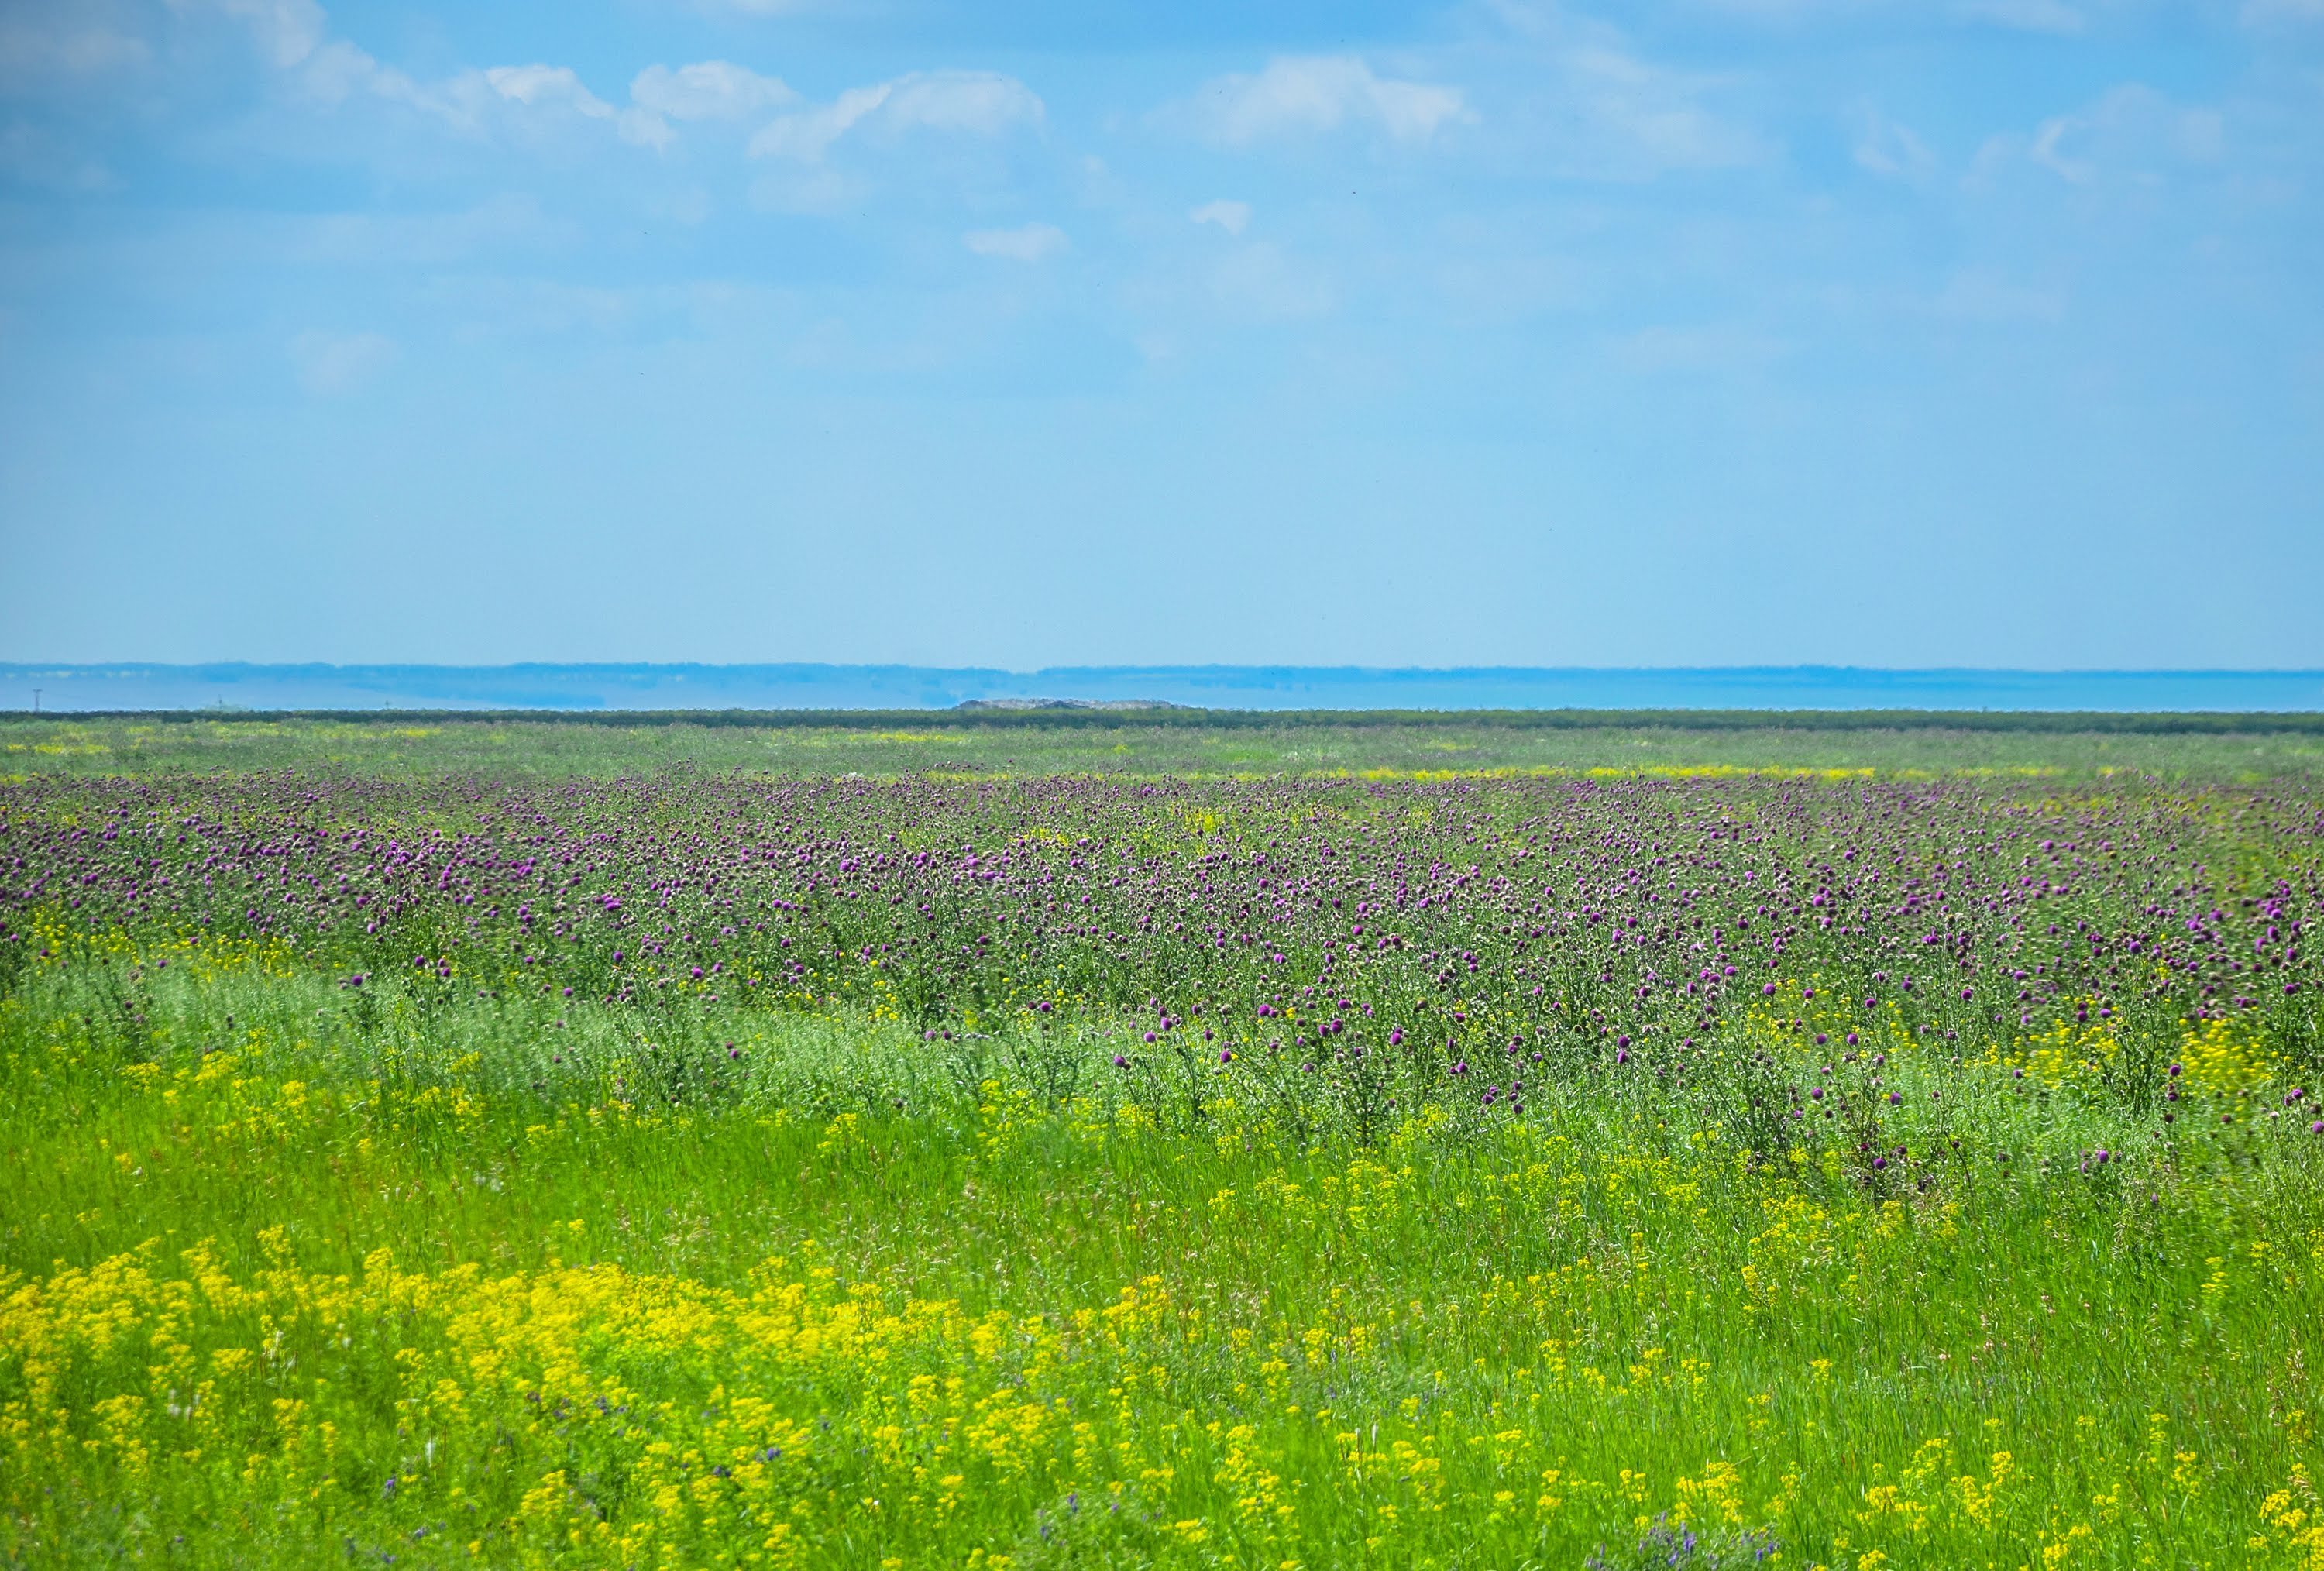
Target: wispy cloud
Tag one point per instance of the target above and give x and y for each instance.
(2132, 132)
(1312, 94)
(331, 363)
(713, 90)
(550, 88)
(294, 37)
(1028, 243)
(1884, 146)
(1231, 216)
(1591, 105)
(959, 103)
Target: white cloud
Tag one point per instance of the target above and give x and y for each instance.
(2048, 149)
(1030, 243)
(960, 103)
(1594, 107)
(544, 86)
(1641, 113)
(808, 135)
(550, 88)
(1885, 147)
(1231, 216)
(293, 35)
(328, 363)
(1314, 94)
(713, 90)
(2133, 133)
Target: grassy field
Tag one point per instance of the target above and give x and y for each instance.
(2253, 748)
(516, 1145)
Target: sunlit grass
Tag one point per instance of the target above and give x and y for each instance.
(459, 1283)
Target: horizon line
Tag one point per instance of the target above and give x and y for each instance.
(94, 666)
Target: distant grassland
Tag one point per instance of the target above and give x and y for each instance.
(2249, 748)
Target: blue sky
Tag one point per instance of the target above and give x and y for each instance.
(1674, 332)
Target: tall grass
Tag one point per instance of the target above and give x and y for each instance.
(296, 1275)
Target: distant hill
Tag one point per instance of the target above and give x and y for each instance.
(1106, 704)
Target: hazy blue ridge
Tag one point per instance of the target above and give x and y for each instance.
(129, 685)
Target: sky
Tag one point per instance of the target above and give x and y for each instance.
(1897, 333)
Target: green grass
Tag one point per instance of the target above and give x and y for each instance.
(422, 1231)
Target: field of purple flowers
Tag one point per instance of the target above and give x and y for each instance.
(1465, 936)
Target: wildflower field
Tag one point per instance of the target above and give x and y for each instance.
(1725, 1163)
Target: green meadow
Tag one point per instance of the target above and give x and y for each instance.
(1420, 1143)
